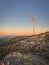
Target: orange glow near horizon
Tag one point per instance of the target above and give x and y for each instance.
(18, 32)
(5, 33)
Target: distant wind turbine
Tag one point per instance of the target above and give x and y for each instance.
(34, 23)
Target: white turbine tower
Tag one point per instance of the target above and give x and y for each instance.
(34, 24)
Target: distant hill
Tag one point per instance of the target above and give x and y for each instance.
(3, 40)
(7, 36)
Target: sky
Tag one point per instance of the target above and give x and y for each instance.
(15, 16)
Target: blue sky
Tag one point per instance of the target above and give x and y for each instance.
(14, 15)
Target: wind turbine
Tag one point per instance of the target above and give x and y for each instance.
(34, 23)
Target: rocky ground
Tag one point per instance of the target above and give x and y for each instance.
(28, 51)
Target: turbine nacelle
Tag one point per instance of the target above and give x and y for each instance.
(33, 18)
